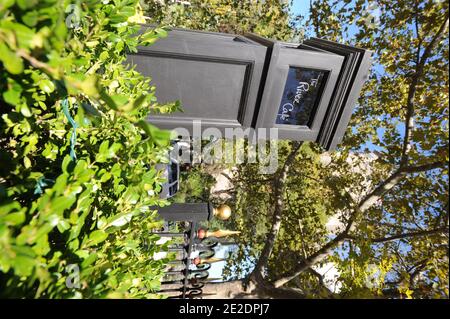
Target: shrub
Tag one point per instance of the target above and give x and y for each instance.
(77, 158)
(268, 18)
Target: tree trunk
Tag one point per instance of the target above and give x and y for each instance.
(241, 289)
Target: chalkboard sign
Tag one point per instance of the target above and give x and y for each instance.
(301, 96)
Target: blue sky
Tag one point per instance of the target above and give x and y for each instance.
(300, 7)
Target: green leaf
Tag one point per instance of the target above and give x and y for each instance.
(160, 137)
(60, 183)
(82, 253)
(47, 86)
(149, 38)
(96, 237)
(25, 4)
(102, 223)
(134, 104)
(104, 147)
(42, 246)
(80, 167)
(31, 18)
(103, 152)
(108, 100)
(24, 261)
(119, 100)
(25, 110)
(104, 56)
(15, 218)
(66, 164)
(26, 162)
(63, 226)
(12, 96)
(105, 177)
(116, 170)
(5, 4)
(24, 265)
(89, 260)
(79, 222)
(8, 206)
(119, 220)
(74, 244)
(23, 34)
(161, 32)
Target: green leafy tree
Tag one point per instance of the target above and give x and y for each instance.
(77, 158)
(267, 18)
(386, 186)
(195, 185)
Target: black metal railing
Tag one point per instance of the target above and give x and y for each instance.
(186, 276)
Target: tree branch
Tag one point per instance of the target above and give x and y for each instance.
(311, 260)
(227, 177)
(224, 191)
(409, 119)
(418, 269)
(423, 168)
(408, 235)
(393, 180)
(279, 187)
(38, 64)
(367, 202)
(321, 282)
(419, 37)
